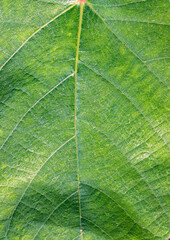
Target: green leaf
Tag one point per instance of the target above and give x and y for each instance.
(84, 120)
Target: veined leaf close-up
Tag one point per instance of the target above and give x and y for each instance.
(84, 120)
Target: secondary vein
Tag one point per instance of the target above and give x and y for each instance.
(23, 116)
(37, 172)
(35, 33)
(125, 44)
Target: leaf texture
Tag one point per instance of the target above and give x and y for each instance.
(84, 142)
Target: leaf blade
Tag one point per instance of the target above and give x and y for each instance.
(118, 104)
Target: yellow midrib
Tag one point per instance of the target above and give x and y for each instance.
(76, 68)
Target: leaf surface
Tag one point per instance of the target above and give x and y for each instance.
(84, 120)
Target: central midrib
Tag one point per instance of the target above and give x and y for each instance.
(76, 67)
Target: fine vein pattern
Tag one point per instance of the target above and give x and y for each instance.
(84, 120)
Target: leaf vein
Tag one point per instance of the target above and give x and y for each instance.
(32, 181)
(124, 210)
(75, 116)
(126, 45)
(125, 94)
(18, 49)
(133, 166)
(23, 116)
(53, 212)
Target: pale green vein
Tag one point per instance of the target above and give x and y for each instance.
(156, 59)
(125, 44)
(103, 231)
(23, 116)
(125, 94)
(113, 200)
(132, 165)
(37, 172)
(119, 5)
(136, 21)
(53, 212)
(35, 33)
